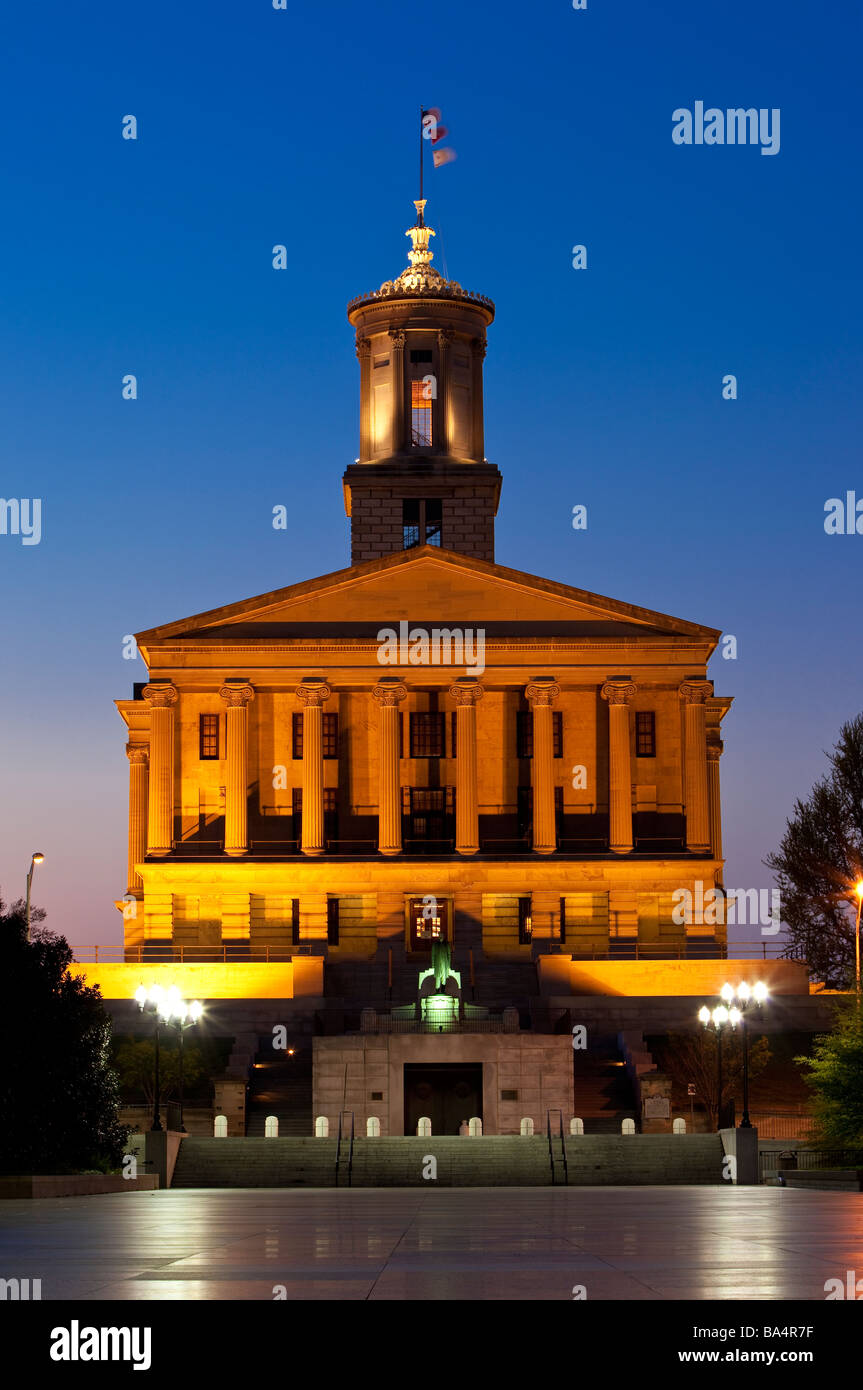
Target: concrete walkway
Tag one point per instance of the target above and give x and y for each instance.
(511, 1243)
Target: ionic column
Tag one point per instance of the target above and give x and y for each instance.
(441, 407)
(364, 353)
(693, 695)
(541, 694)
(477, 357)
(466, 692)
(138, 756)
(618, 693)
(397, 338)
(161, 697)
(714, 753)
(237, 696)
(313, 695)
(388, 693)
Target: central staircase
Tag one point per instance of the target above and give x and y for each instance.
(490, 1161)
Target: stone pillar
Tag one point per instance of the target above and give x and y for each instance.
(138, 756)
(618, 693)
(714, 753)
(388, 693)
(397, 338)
(237, 695)
(161, 697)
(466, 692)
(477, 356)
(541, 694)
(693, 694)
(441, 407)
(364, 353)
(313, 695)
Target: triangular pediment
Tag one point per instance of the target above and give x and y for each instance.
(431, 587)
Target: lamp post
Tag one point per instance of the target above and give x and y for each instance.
(858, 891)
(39, 858)
(717, 1019)
(741, 1000)
(168, 1006)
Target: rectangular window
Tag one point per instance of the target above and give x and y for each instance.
(525, 922)
(524, 734)
(645, 734)
(295, 921)
(421, 414)
(329, 735)
(332, 921)
(422, 521)
(427, 735)
(563, 919)
(453, 735)
(208, 736)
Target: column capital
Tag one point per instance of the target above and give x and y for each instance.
(479, 347)
(397, 337)
(445, 337)
(618, 692)
(543, 690)
(364, 347)
(714, 751)
(389, 692)
(466, 691)
(314, 693)
(137, 753)
(695, 692)
(160, 694)
(237, 695)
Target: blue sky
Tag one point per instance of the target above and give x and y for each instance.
(603, 386)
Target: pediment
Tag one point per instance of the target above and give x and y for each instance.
(430, 587)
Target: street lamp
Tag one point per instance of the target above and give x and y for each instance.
(168, 1006)
(38, 858)
(741, 1000)
(858, 891)
(717, 1019)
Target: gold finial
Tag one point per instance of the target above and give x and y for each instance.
(419, 235)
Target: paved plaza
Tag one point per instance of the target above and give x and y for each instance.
(514, 1243)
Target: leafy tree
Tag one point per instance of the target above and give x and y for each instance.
(692, 1057)
(58, 1091)
(135, 1060)
(819, 858)
(835, 1074)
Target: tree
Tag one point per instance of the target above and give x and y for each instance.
(819, 858)
(135, 1060)
(58, 1090)
(692, 1057)
(835, 1074)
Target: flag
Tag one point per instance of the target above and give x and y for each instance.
(441, 157)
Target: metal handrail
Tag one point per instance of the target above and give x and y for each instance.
(226, 953)
(548, 1114)
(350, 1150)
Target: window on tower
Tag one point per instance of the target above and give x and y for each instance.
(422, 521)
(422, 385)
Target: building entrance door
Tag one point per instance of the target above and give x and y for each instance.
(446, 1092)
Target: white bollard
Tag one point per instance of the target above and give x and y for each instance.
(271, 1127)
(424, 1127)
(322, 1127)
(576, 1126)
(373, 1127)
(679, 1126)
(220, 1127)
(527, 1126)
(628, 1127)
(474, 1128)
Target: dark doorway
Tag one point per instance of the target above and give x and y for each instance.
(447, 1093)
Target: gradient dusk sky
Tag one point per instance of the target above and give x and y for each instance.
(259, 126)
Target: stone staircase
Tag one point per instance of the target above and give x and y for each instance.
(603, 1091)
(280, 1085)
(492, 1161)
